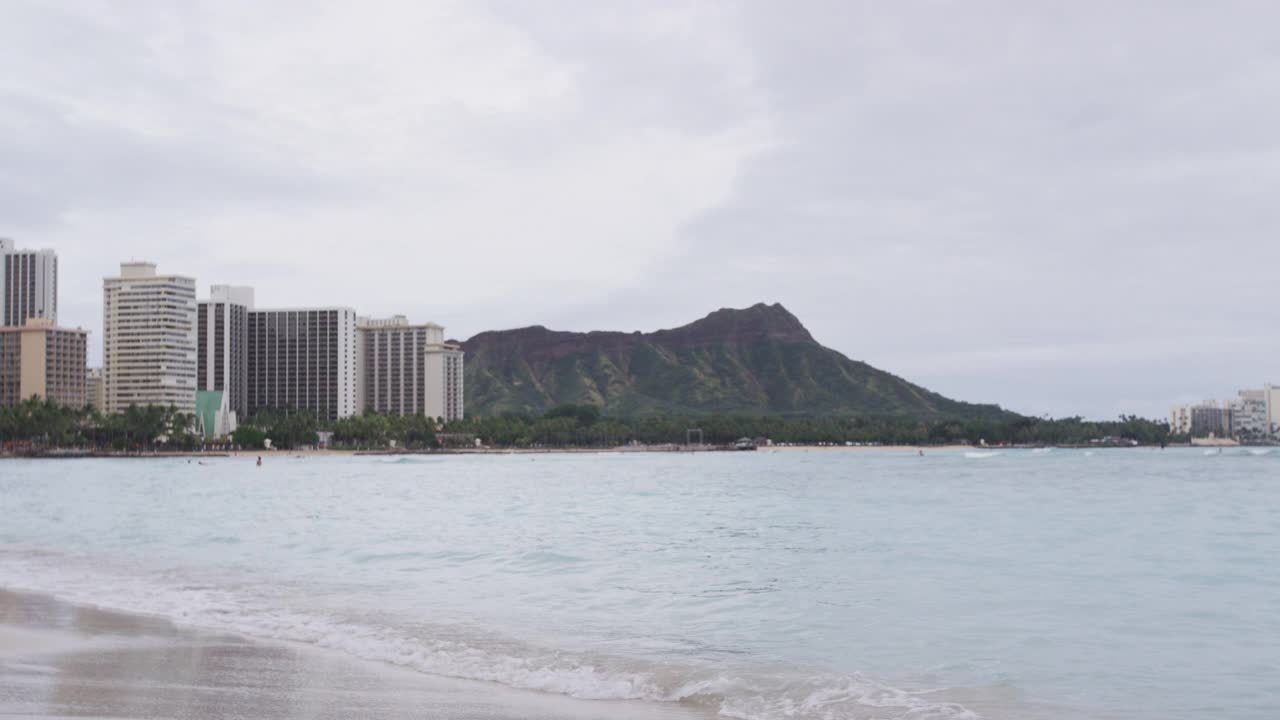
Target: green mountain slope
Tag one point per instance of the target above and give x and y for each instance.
(759, 360)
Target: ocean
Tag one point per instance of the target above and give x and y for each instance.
(1064, 584)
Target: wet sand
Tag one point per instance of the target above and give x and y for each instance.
(61, 661)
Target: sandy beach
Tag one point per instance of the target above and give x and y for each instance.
(59, 660)
(327, 452)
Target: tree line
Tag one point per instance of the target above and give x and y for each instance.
(371, 431)
(584, 426)
(43, 424)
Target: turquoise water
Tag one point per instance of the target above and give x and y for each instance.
(823, 584)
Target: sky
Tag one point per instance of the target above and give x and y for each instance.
(1063, 208)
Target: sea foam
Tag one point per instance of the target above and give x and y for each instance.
(744, 692)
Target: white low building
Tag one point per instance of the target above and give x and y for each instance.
(1249, 415)
(1271, 393)
(214, 416)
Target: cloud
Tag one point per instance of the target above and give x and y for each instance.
(1058, 209)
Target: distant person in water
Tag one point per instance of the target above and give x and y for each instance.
(259, 461)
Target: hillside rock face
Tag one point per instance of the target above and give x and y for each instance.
(760, 360)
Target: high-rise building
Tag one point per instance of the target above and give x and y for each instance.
(223, 339)
(149, 342)
(41, 360)
(408, 369)
(303, 359)
(28, 284)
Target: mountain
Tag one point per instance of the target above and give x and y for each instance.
(759, 360)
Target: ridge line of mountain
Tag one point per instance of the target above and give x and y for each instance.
(757, 360)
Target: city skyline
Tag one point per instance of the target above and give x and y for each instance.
(222, 356)
(1009, 212)
(1183, 398)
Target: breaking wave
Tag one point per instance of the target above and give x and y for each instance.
(746, 692)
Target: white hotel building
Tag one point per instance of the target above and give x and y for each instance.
(1271, 394)
(409, 369)
(148, 339)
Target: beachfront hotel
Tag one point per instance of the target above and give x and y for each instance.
(223, 338)
(303, 359)
(28, 284)
(1252, 415)
(408, 369)
(43, 361)
(1202, 419)
(227, 360)
(149, 342)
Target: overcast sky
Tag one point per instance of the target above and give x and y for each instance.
(1065, 208)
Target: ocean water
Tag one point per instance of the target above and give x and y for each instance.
(1135, 584)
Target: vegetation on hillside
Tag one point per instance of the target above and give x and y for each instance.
(756, 361)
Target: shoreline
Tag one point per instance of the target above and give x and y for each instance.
(62, 659)
(59, 659)
(676, 449)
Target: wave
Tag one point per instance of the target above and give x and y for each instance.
(745, 692)
(404, 460)
(974, 455)
(1041, 451)
(1257, 452)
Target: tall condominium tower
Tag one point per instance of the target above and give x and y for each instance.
(28, 284)
(303, 359)
(149, 342)
(43, 361)
(409, 369)
(223, 354)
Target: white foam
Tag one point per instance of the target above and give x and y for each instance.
(745, 692)
(974, 455)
